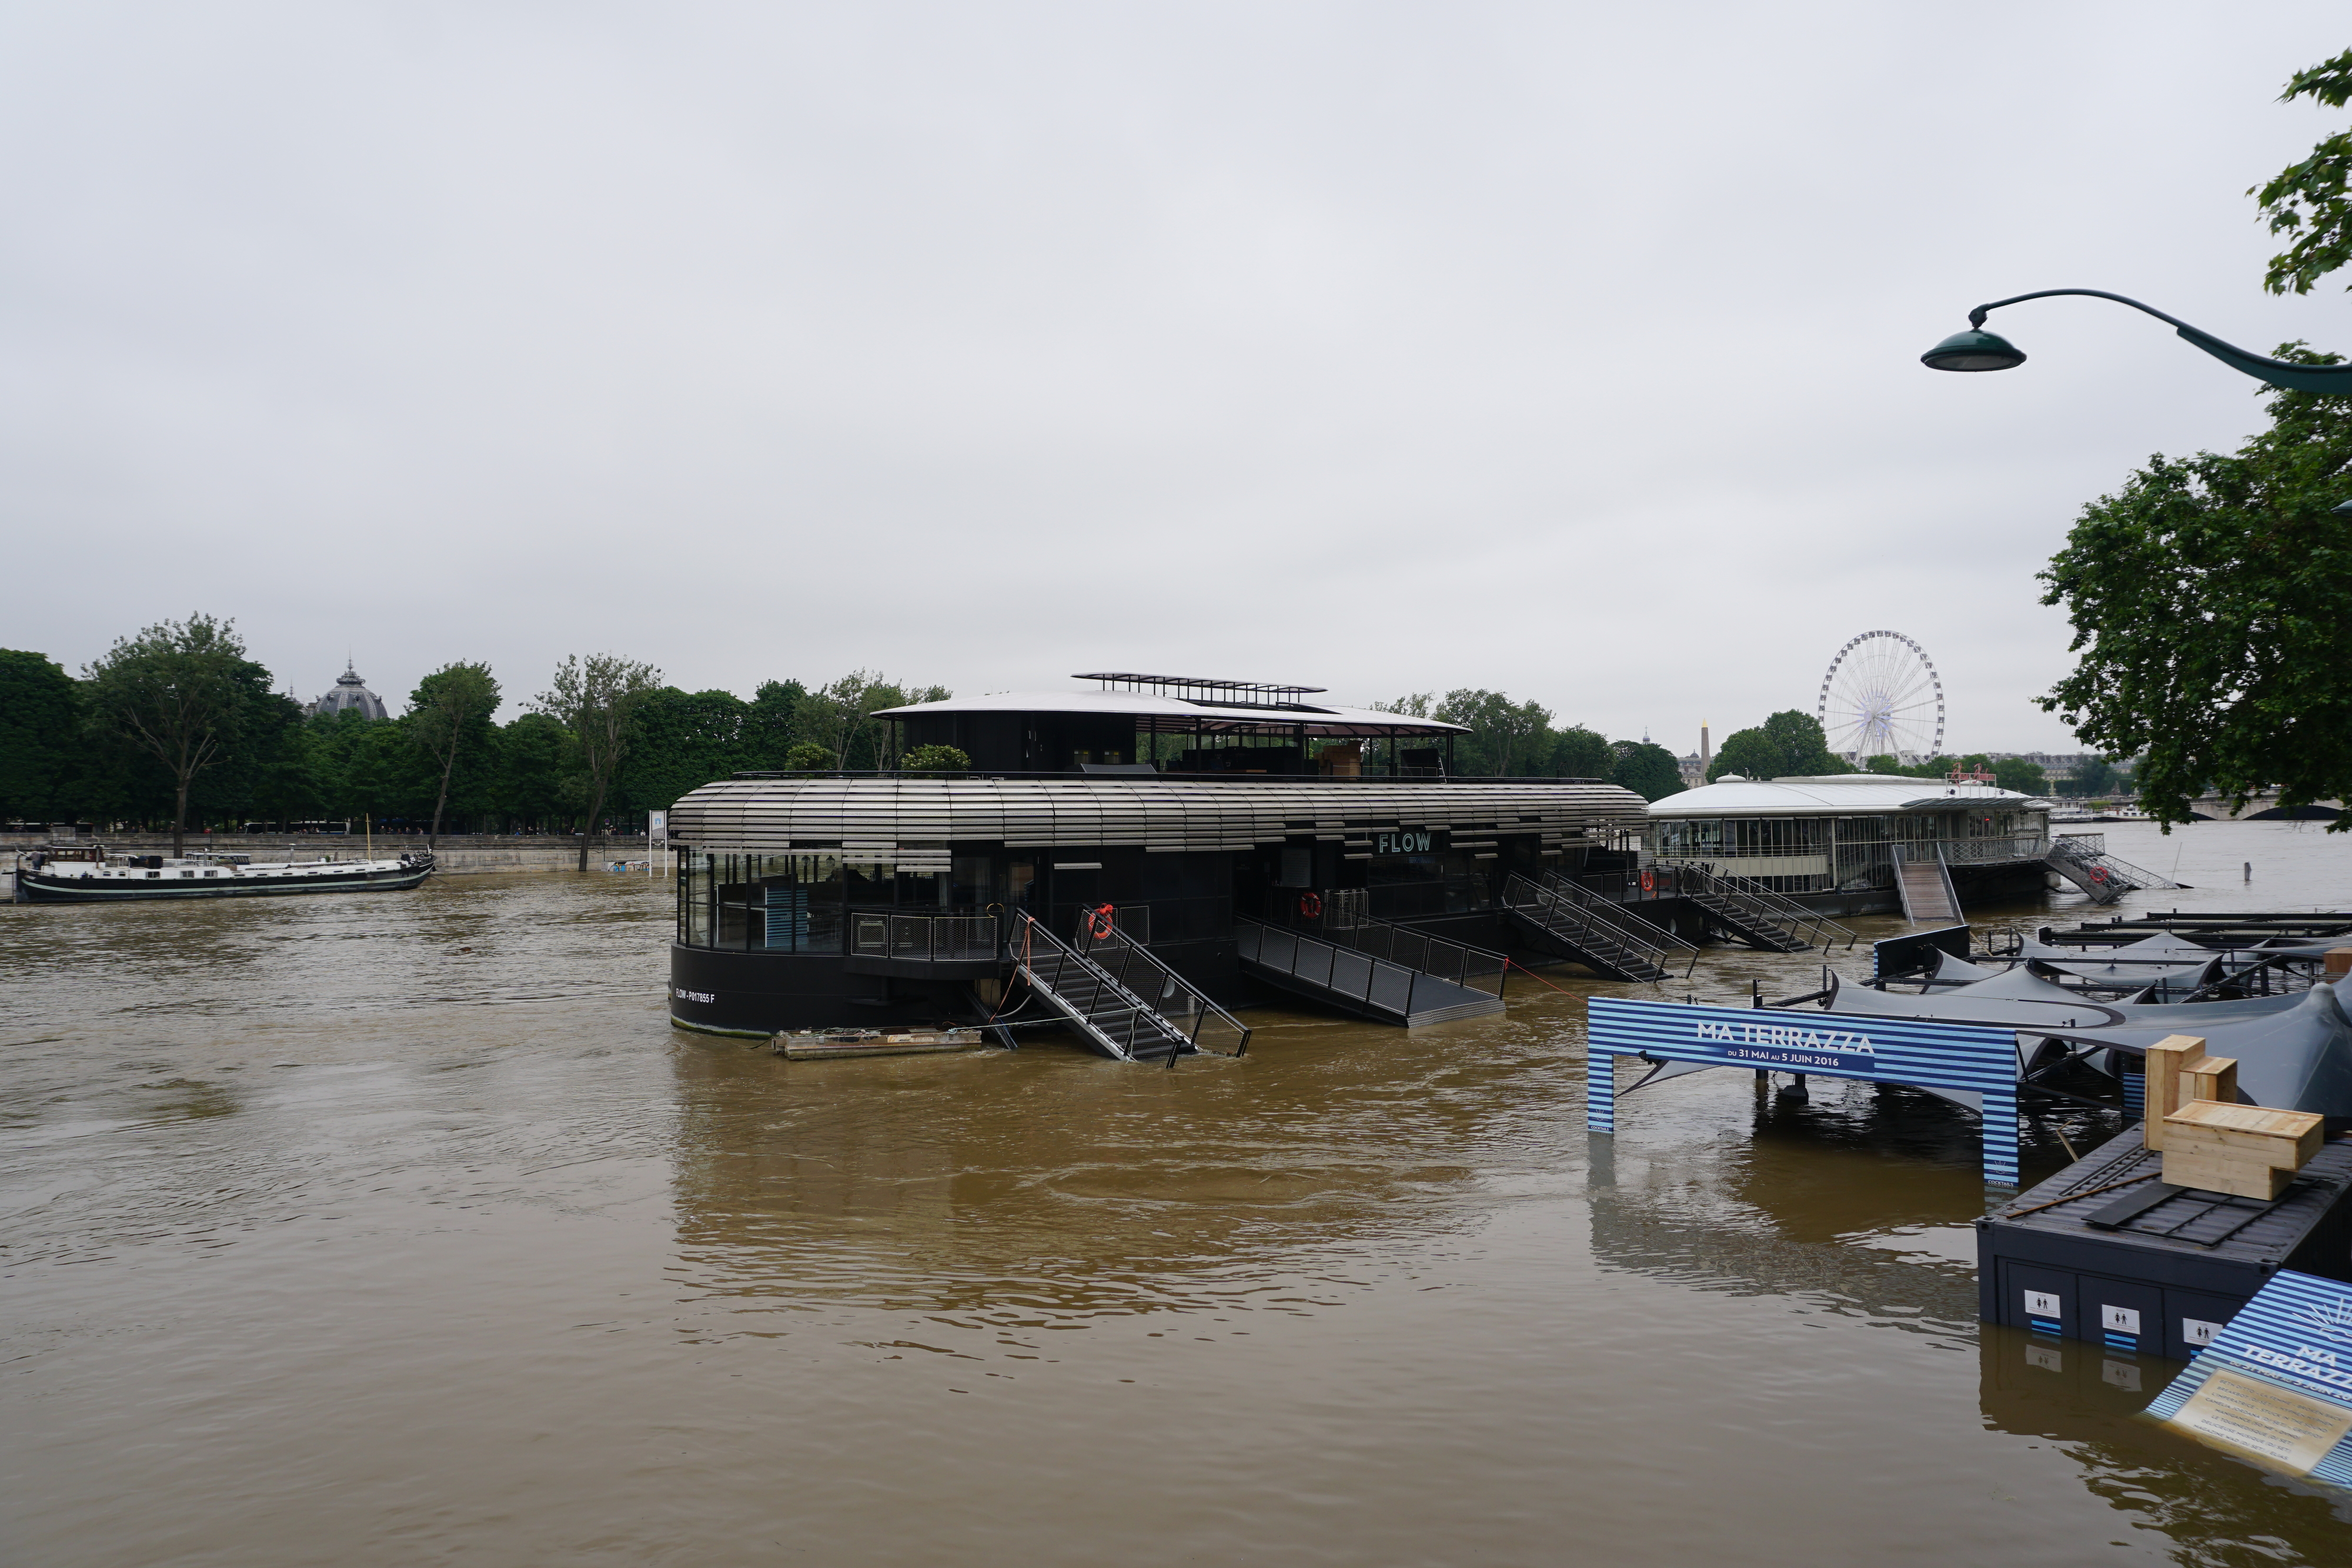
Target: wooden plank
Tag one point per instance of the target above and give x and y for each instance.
(2285, 1139)
(2165, 1059)
(2239, 1178)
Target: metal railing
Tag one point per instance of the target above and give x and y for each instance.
(1141, 974)
(1993, 851)
(1346, 922)
(1602, 924)
(1774, 910)
(2071, 848)
(1382, 988)
(924, 938)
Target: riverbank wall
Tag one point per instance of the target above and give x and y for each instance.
(454, 854)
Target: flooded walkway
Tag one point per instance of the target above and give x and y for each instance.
(401, 1229)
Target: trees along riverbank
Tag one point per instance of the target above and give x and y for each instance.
(1518, 739)
(179, 709)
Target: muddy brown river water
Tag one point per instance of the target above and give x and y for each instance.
(402, 1229)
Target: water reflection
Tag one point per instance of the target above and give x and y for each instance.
(2088, 1400)
(1047, 1184)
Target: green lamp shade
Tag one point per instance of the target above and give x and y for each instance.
(1973, 350)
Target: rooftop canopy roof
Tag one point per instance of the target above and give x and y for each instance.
(1212, 707)
(1832, 795)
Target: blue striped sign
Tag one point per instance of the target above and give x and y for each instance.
(2275, 1385)
(1924, 1053)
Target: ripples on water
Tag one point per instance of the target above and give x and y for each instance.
(401, 1227)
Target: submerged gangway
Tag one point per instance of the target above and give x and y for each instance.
(1603, 936)
(1120, 996)
(1374, 968)
(2082, 860)
(1744, 910)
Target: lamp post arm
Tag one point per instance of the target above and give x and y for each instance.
(2277, 373)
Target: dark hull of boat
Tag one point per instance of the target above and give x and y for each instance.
(42, 887)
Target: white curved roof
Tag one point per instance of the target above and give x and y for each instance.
(1181, 713)
(1835, 795)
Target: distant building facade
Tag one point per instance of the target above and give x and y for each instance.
(349, 694)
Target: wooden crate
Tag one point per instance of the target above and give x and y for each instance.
(2238, 1176)
(2284, 1140)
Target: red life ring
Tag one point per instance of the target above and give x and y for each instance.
(1649, 882)
(2098, 873)
(1100, 920)
(1310, 905)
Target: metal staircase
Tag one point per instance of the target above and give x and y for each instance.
(1359, 982)
(1615, 942)
(1747, 911)
(1925, 884)
(2082, 860)
(1101, 992)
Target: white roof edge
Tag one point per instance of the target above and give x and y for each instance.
(1149, 704)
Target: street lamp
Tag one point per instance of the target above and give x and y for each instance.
(1978, 349)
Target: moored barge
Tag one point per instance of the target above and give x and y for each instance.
(87, 874)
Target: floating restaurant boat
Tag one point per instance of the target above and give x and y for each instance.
(1135, 863)
(86, 873)
(1868, 844)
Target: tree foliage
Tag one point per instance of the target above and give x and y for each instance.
(450, 716)
(1790, 744)
(2309, 199)
(596, 698)
(936, 760)
(182, 693)
(2025, 778)
(2207, 598)
(1647, 769)
(40, 716)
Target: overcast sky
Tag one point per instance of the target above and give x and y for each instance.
(1568, 350)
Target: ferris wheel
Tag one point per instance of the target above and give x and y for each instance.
(1880, 698)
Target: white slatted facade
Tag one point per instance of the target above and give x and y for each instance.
(913, 820)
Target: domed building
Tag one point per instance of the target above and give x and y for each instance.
(351, 692)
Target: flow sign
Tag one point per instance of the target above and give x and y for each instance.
(1967, 1062)
(2274, 1384)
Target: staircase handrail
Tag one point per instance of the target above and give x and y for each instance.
(1755, 898)
(1130, 949)
(1614, 913)
(1029, 933)
(1341, 928)
(2138, 876)
(1601, 932)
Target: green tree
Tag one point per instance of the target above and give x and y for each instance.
(685, 739)
(808, 757)
(596, 698)
(1580, 753)
(40, 716)
(839, 716)
(1648, 770)
(771, 723)
(2025, 778)
(936, 760)
(2208, 599)
(534, 769)
(179, 692)
(1505, 736)
(2093, 776)
(448, 716)
(2309, 199)
(1790, 744)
